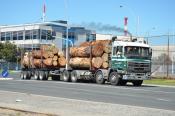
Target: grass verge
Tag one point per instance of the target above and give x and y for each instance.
(169, 82)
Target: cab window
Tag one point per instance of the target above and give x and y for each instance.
(117, 50)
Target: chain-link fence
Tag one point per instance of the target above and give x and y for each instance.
(163, 57)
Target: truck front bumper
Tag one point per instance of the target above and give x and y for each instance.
(137, 76)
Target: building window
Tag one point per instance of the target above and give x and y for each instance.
(49, 35)
(15, 36)
(2, 36)
(8, 36)
(27, 35)
(35, 34)
(20, 35)
(43, 34)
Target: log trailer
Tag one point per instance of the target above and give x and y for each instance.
(127, 62)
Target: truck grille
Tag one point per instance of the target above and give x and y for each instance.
(138, 67)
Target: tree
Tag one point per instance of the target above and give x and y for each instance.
(8, 52)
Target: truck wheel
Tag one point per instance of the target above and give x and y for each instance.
(114, 78)
(41, 75)
(36, 75)
(137, 82)
(25, 75)
(66, 76)
(74, 76)
(29, 75)
(22, 75)
(46, 75)
(99, 77)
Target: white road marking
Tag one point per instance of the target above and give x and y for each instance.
(166, 100)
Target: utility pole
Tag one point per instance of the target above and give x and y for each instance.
(168, 58)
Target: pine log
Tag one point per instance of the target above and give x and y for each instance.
(45, 55)
(60, 54)
(55, 50)
(44, 48)
(78, 62)
(104, 42)
(62, 61)
(37, 62)
(51, 55)
(80, 51)
(105, 57)
(84, 44)
(55, 58)
(105, 65)
(107, 49)
(27, 60)
(48, 61)
(37, 54)
(97, 62)
(97, 50)
(55, 63)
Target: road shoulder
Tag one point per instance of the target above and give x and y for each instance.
(70, 107)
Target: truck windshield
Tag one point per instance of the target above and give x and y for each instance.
(137, 52)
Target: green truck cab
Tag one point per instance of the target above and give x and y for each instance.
(131, 62)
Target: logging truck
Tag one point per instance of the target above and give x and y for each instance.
(116, 62)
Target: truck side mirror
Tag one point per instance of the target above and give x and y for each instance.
(150, 51)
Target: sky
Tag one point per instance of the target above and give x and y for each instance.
(156, 17)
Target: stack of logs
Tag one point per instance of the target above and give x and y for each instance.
(47, 56)
(95, 53)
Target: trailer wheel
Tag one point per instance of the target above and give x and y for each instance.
(74, 76)
(25, 75)
(41, 75)
(99, 77)
(66, 76)
(114, 78)
(137, 82)
(46, 75)
(22, 75)
(29, 75)
(36, 75)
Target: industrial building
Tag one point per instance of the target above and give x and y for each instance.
(31, 36)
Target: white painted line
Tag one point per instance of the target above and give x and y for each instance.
(160, 99)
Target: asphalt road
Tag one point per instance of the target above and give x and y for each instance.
(145, 96)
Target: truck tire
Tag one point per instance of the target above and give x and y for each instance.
(29, 73)
(46, 75)
(25, 75)
(99, 77)
(66, 76)
(36, 75)
(114, 78)
(137, 82)
(22, 75)
(74, 76)
(41, 75)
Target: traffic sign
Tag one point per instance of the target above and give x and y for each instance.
(5, 73)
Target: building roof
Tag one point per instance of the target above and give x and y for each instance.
(122, 43)
(31, 24)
